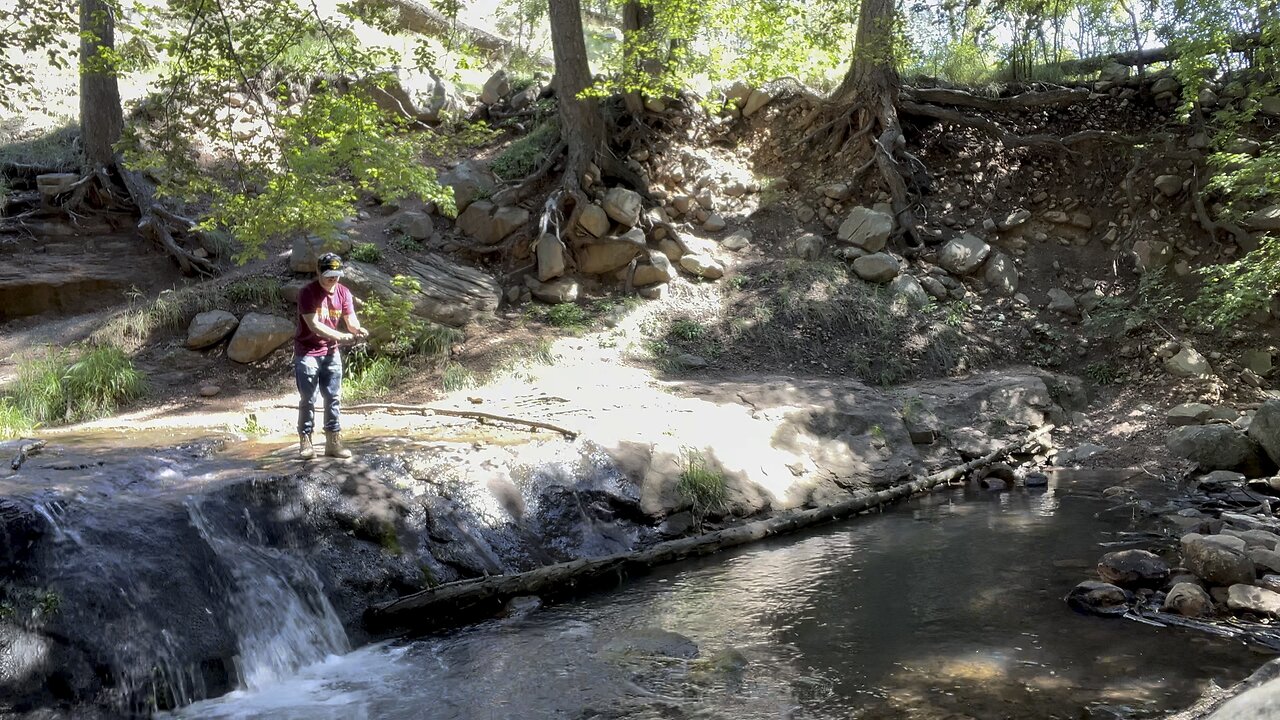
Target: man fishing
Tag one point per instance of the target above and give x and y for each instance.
(317, 361)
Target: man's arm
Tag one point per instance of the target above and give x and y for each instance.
(353, 322)
(324, 331)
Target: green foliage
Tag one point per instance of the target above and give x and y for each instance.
(1154, 298)
(1234, 290)
(1102, 373)
(701, 486)
(570, 316)
(366, 253)
(251, 426)
(45, 28)
(57, 387)
(14, 422)
(524, 155)
(457, 377)
(396, 331)
(686, 329)
(373, 378)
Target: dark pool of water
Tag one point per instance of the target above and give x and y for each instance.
(949, 606)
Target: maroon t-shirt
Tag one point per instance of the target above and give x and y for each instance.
(333, 308)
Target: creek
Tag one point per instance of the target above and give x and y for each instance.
(947, 606)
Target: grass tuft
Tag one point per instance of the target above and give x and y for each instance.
(703, 488)
(58, 387)
(457, 377)
(373, 378)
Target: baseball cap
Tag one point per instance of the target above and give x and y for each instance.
(329, 265)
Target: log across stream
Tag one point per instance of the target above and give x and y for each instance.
(465, 600)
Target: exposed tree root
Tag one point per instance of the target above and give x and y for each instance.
(153, 223)
(1063, 97)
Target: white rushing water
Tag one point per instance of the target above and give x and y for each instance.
(282, 619)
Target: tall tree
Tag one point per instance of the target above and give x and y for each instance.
(101, 117)
(581, 121)
(866, 105)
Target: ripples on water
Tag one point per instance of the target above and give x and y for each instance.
(947, 607)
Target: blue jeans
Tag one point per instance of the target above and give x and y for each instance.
(323, 373)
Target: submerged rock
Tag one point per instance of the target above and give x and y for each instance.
(1188, 600)
(1099, 598)
(1133, 568)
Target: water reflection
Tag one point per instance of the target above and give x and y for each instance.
(948, 607)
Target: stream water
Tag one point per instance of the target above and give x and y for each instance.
(949, 606)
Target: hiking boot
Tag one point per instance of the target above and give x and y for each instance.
(333, 446)
(305, 451)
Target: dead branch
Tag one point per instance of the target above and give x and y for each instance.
(1239, 43)
(427, 410)
(463, 600)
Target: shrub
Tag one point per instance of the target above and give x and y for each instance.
(524, 155)
(366, 253)
(567, 315)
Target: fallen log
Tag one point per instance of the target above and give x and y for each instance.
(1132, 58)
(464, 600)
(1061, 97)
(424, 19)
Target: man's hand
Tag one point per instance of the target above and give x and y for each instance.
(360, 332)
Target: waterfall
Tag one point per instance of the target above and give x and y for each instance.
(278, 609)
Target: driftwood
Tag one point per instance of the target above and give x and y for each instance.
(457, 602)
(26, 450)
(469, 414)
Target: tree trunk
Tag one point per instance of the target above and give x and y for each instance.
(581, 122)
(101, 118)
(871, 86)
(637, 21)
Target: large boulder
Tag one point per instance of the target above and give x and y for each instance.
(1133, 568)
(210, 328)
(623, 205)
(470, 181)
(489, 224)
(259, 335)
(907, 290)
(1218, 559)
(607, 255)
(963, 255)
(1189, 600)
(594, 220)
(1214, 447)
(1253, 599)
(551, 257)
(1268, 218)
(877, 267)
(703, 266)
(867, 229)
(496, 87)
(1265, 429)
(1001, 275)
(448, 293)
(560, 290)
(658, 270)
(1188, 363)
(307, 250)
